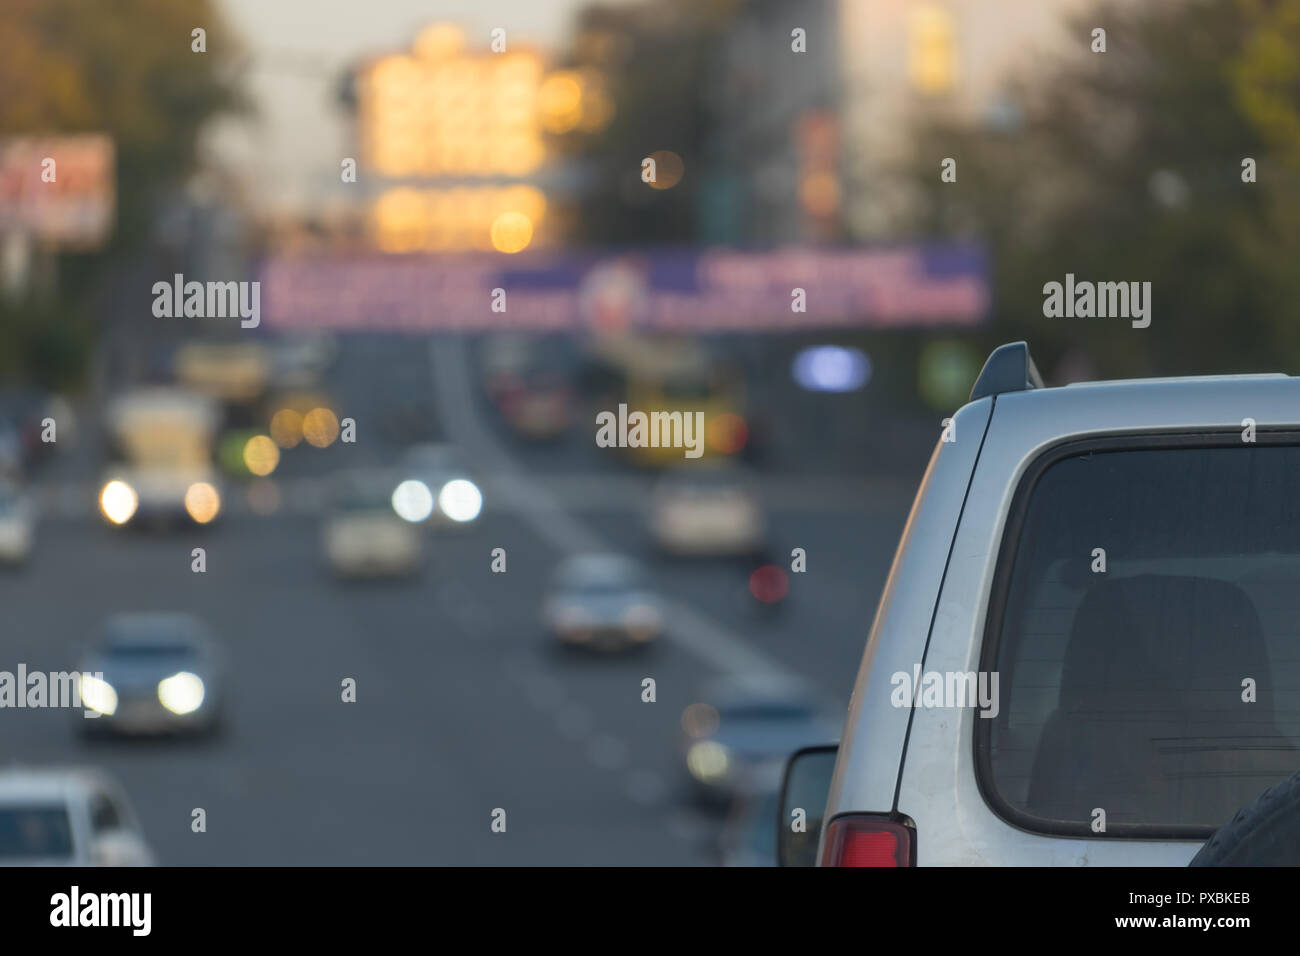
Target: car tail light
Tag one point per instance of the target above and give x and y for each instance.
(868, 840)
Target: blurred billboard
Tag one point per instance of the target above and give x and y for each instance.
(711, 290)
(57, 189)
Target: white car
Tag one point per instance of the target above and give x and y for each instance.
(707, 511)
(17, 526)
(362, 534)
(603, 602)
(67, 818)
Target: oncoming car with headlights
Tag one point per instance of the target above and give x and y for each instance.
(162, 441)
(157, 673)
(436, 488)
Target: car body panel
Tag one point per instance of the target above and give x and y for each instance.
(938, 788)
(73, 790)
(867, 771)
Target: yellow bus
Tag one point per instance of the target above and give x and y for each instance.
(677, 375)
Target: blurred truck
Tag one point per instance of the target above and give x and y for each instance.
(161, 442)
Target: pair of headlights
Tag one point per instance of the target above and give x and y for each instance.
(119, 501)
(182, 693)
(459, 499)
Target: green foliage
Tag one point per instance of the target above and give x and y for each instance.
(656, 58)
(1128, 167)
(125, 68)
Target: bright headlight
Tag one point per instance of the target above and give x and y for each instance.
(413, 501)
(460, 500)
(707, 761)
(181, 693)
(118, 501)
(98, 695)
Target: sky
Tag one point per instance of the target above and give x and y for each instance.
(288, 153)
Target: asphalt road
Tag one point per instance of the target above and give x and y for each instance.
(462, 706)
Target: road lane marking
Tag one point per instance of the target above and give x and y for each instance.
(449, 362)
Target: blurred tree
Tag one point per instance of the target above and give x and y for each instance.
(653, 58)
(127, 69)
(124, 68)
(1127, 166)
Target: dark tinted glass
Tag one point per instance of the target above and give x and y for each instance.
(103, 814)
(32, 832)
(1163, 690)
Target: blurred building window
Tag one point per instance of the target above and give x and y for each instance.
(932, 50)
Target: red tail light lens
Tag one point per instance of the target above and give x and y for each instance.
(866, 840)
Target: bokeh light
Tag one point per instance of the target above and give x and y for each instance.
(669, 169)
(261, 455)
(413, 501)
(460, 500)
(511, 232)
(727, 433)
(769, 584)
(831, 368)
(946, 372)
(202, 502)
(320, 427)
(699, 720)
(559, 101)
(118, 501)
(286, 428)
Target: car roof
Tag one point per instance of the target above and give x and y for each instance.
(154, 627)
(1212, 402)
(1010, 369)
(1183, 403)
(24, 785)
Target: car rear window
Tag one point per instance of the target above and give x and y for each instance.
(35, 832)
(1146, 636)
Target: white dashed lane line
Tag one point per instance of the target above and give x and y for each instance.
(706, 639)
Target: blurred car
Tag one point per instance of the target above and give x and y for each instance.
(602, 601)
(707, 511)
(234, 373)
(17, 525)
(162, 439)
(362, 534)
(436, 488)
(158, 673)
(741, 727)
(748, 836)
(539, 407)
(502, 360)
(67, 818)
(529, 382)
